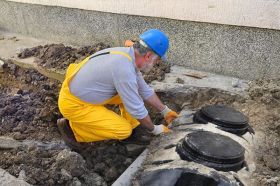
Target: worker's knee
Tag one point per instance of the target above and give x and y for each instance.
(124, 133)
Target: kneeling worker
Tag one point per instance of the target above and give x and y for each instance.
(112, 76)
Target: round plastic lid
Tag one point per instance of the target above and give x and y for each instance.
(213, 150)
(213, 145)
(225, 114)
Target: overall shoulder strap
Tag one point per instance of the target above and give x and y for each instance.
(113, 52)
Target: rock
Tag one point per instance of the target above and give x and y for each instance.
(20, 127)
(8, 179)
(19, 91)
(128, 161)
(19, 136)
(22, 175)
(276, 95)
(1, 66)
(112, 174)
(273, 180)
(75, 182)
(186, 116)
(72, 162)
(46, 114)
(93, 179)
(134, 150)
(99, 167)
(272, 162)
(9, 143)
(48, 99)
(65, 175)
(180, 81)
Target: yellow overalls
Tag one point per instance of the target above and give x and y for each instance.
(92, 122)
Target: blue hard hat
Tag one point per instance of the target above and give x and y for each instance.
(157, 41)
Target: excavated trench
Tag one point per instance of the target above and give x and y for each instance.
(29, 111)
(219, 138)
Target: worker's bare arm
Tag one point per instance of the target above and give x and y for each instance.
(155, 102)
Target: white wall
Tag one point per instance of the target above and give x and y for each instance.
(253, 13)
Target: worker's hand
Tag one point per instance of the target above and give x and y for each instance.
(169, 115)
(159, 129)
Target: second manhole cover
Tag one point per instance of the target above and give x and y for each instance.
(225, 117)
(213, 150)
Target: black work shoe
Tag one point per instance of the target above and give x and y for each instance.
(137, 137)
(67, 134)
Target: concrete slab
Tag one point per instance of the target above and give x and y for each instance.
(127, 176)
(12, 44)
(225, 83)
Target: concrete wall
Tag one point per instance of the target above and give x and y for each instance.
(253, 13)
(244, 52)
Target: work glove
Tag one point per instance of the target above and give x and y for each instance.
(169, 115)
(159, 129)
(128, 43)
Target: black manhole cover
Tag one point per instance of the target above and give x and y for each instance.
(213, 150)
(227, 118)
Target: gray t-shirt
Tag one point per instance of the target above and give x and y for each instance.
(104, 76)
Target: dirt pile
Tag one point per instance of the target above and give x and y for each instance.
(157, 72)
(264, 112)
(27, 104)
(60, 56)
(110, 159)
(267, 91)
